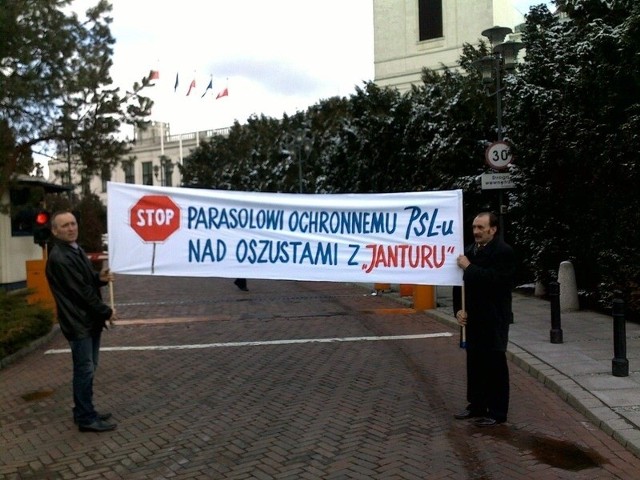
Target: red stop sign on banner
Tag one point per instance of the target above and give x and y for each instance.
(154, 218)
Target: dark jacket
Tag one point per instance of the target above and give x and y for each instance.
(75, 286)
(488, 284)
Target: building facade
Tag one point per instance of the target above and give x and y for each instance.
(155, 159)
(16, 248)
(410, 35)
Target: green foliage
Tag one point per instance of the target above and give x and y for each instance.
(575, 127)
(451, 119)
(20, 322)
(92, 222)
(59, 201)
(56, 88)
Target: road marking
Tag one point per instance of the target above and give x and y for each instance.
(391, 311)
(260, 343)
(171, 320)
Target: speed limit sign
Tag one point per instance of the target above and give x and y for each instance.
(498, 155)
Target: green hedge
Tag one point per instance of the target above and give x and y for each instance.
(20, 322)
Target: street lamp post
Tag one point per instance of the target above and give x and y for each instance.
(303, 144)
(492, 67)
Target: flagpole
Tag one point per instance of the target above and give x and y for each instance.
(155, 75)
(161, 138)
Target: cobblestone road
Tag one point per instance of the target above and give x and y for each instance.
(205, 390)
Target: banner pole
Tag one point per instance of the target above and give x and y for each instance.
(111, 297)
(463, 328)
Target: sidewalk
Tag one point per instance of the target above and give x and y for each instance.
(579, 370)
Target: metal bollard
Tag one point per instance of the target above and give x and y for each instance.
(555, 333)
(619, 364)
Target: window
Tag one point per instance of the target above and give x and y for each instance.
(129, 175)
(430, 19)
(147, 173)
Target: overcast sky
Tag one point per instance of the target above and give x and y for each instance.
(274, 56)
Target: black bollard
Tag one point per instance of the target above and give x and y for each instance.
(556, 331)
(619, 364)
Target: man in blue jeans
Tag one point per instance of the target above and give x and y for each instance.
(81, 313)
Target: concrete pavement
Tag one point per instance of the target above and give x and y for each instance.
(579, 369)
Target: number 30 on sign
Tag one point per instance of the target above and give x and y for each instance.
(498, 155)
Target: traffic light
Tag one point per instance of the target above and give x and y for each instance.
(41, 227)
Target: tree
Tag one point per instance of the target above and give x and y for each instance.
(356, 141)
(325, 121)
(575, 122)
(450, 120)
(55, 88)
(248, 159)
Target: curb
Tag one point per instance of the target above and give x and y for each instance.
(584, 402)
(580, 399)
(14, 357)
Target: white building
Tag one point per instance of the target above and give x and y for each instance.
(410, 35)
(156, 153)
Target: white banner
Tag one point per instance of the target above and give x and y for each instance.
(409, 238)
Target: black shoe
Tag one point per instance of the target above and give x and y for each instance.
(97, 426)
(487, 422)
(101, 416)
(241, 284)
(466, 414)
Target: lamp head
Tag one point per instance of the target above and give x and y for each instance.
(485, 66)
(496, 34)
(509, 52)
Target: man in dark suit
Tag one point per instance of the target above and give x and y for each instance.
(81, 313)
(489, 269)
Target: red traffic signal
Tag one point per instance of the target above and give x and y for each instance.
(42, 219)
(41, 227)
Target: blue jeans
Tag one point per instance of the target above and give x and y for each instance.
(85, 353)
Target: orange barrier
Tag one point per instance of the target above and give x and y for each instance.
(37, 283)
(406, 290)
(424, 297)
